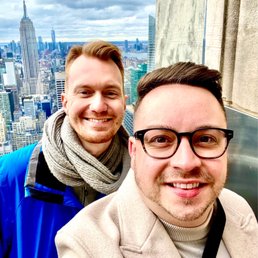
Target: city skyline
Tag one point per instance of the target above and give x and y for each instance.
(78, 20)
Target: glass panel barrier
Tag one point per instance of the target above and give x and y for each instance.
(243, 156)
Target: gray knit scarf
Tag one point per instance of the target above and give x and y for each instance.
(71, 164)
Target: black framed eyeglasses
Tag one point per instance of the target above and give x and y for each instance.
(206, 143)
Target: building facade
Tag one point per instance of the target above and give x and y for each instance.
(5, 108)
(29, 53)
(9, 77)
(136, 75)
(151, 44)
(59, 84)
(221, 34)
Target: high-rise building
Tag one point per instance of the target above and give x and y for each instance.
(2, 71)
(40, 44)
(16, 115)
(5, 108)
(24, 132)
(9, 77)
(59, 83)
(5, 148)
(29, 107)
(2, 129)
(53, 37)
(138, 45)
(151, 44)
(29, 53)
(126, 46)
(13, 100)
(5, 145)
(46, 107)
(136, 75)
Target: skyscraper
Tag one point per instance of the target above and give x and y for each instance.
(29, 107)
(60, 84)
(29, 53)
(3, 131)
(136, 75)
(5, 108)
(151, 43)
(9, 77)
(5, 146)
(40, 44)
(53, 37)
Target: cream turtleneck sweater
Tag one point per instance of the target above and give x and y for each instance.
(190, 242)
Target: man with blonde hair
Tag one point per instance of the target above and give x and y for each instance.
(82, 155)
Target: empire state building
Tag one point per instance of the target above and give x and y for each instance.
(29, 53)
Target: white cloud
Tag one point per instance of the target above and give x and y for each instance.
(78, 20)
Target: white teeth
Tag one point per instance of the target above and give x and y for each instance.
(97, 120)
(185, 186)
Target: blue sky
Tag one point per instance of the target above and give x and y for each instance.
(78, 20)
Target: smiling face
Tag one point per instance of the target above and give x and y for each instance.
(180, 189)
(94, 101)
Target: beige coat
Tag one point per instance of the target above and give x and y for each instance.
(120, 225)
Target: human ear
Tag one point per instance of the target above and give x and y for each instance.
(125, 99)
(64, 102)
(131, 146)
(132, 150)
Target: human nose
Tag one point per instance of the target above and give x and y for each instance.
(98, 104)
(184, 158)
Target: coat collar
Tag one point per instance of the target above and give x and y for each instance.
(241, 230)
(41, 184)
(150, 239)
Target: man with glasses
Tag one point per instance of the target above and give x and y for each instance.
(173, 202)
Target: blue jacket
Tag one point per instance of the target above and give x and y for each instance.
(34, 205)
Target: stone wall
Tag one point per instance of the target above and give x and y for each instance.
(245, 82)
(222, 34)
(179, 31)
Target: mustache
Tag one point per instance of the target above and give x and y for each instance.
(198, 174)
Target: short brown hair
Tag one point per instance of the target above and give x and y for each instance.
(100, 49)
(182, 73)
